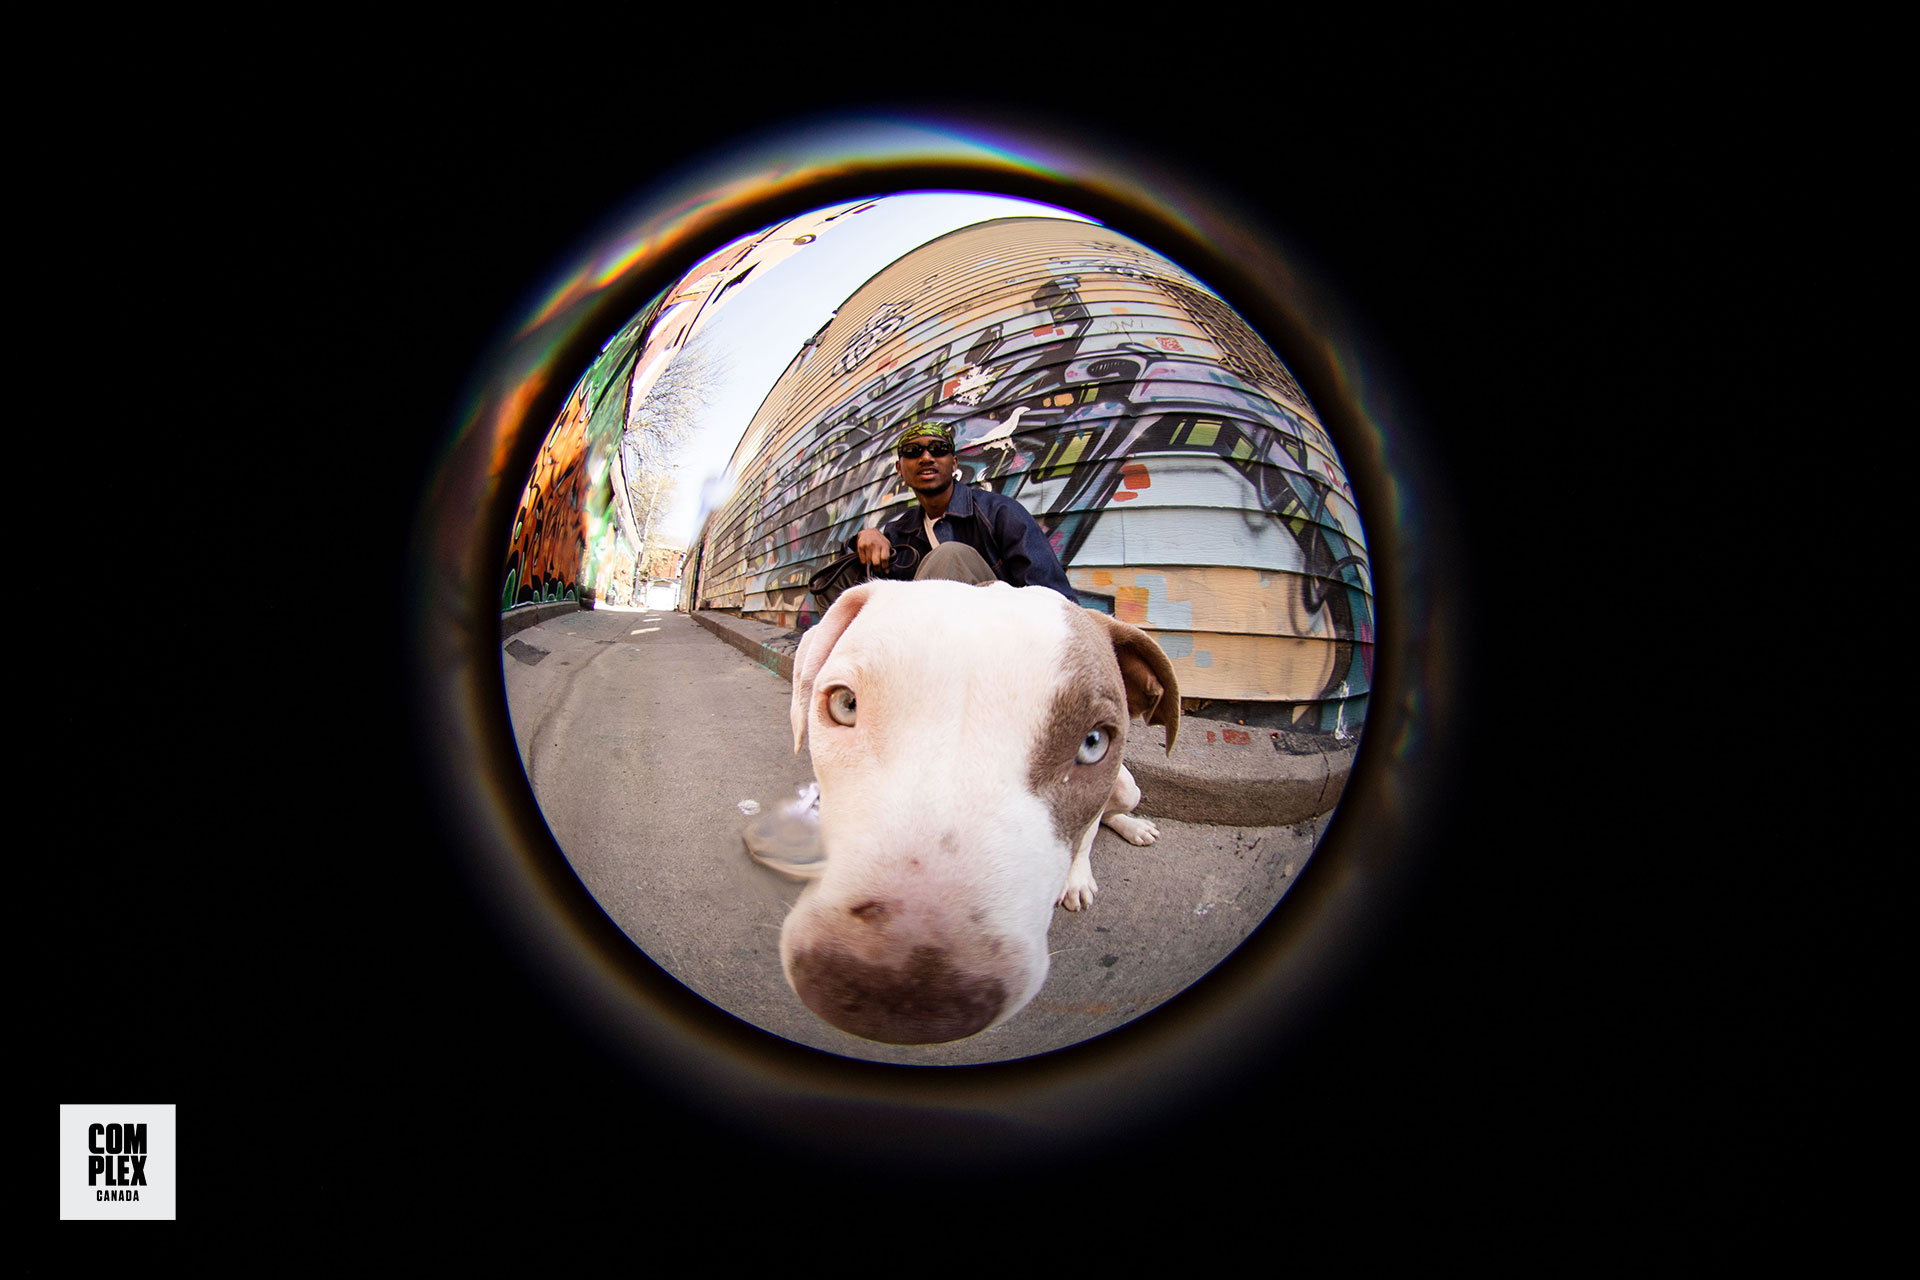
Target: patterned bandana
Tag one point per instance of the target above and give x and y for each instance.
(916, 429)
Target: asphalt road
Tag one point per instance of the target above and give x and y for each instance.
(643, 733)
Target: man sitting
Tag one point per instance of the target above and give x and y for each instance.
(959, 532)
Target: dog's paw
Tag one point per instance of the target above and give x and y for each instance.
(787, 843)
(1079, 891)
(1133, 830)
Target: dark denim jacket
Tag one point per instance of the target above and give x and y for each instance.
(1000, 529)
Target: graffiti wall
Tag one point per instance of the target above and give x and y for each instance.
(1184, 479)
(566, 539)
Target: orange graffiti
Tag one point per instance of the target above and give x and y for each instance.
(545, 552)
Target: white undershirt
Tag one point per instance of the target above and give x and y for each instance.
(932, 540)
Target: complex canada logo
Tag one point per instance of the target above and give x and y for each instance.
(118, 1162)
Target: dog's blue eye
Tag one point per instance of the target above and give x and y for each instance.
(840, 705)
(1094, 749)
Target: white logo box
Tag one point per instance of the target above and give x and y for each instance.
(158, 1198)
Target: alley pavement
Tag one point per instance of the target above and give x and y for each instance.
(652, 739)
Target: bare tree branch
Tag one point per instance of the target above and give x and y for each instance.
(658, 429)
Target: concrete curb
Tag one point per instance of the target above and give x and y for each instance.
(522, 616)
(1233, 776)
(1218, 773)
(770, 646)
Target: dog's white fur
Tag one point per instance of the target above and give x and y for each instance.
(955, 811)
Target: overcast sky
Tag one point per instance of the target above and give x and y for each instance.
(758, 331)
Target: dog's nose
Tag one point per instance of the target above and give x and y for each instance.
(927, 1000)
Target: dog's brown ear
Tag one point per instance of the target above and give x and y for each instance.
(815, 645)
(1152, 692)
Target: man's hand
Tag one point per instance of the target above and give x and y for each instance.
(873, 548)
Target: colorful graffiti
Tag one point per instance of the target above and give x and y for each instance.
(1174, 462)
(547, 549)
(566, 542)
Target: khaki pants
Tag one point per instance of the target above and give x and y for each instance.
(956, 562)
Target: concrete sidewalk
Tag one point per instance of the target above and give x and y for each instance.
(646, 740)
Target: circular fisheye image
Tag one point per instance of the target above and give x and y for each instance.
(937, 629)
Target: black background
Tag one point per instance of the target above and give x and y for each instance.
(1633, 1006)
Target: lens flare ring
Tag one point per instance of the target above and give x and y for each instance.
(1228, 1025)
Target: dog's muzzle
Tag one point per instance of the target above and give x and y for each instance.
(885, 970)
(926, 999)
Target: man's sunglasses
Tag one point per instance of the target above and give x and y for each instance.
(938, 450)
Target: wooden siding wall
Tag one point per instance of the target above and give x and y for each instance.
(1182, 476)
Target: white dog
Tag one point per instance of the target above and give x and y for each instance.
(967, 741)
